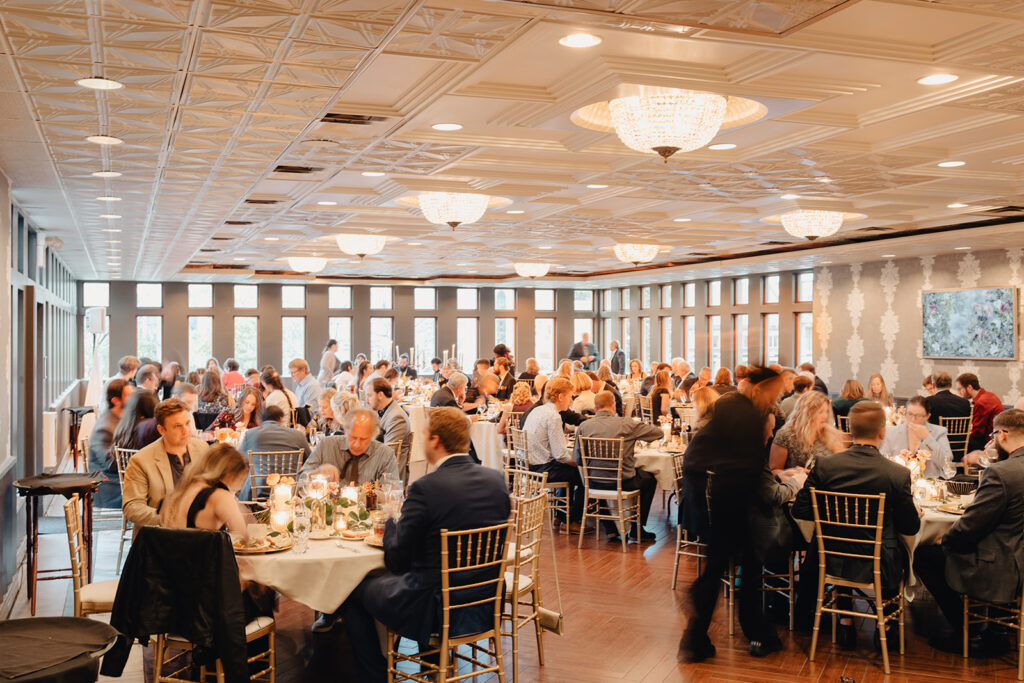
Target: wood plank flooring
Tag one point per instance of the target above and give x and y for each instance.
(622, 624)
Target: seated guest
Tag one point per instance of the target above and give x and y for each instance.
(407, 597)
(547, 449)
(502, 351)
(853, 392)
(272, 435)
(435, 366)
(183, 391)
(154, 471)
(928, 385)
(394, 422)
(307, 389)
(452, 393)
(564, 369)
(723, 381)
(506, 380)
(583, 397)
(342, 403)
(800, 385)
(168, 378)
(274, 394)
(379, 368)
(481, 368)
(877, 391)
(481, 394)
(862, 469)
(137, 428)
(917, 438)
(245, 414)
(101, 444)
(636, 375)
(986, 406)
(982, 555)
(345, 379)
(363, 372)
(212, 397)
(807, 434)
(404, 369)
(604, 374)
(127, 366)
(648, 383)
(148, 377)
(252, 377)
(231, 379)
(819, 384)
(521, 401)
(945, 403)
(741, 377)
(392, 377)
(326, 421)
(356, 457)
(704, 403)
(772, 531)
(704, 377)
(607, 425)
(661, 396)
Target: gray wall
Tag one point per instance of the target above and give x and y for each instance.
(868, 319)
(11, 531)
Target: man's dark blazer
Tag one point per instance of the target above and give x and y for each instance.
(618, 362)
(579, 349)
(443, 398)
(819, 385)
(863, 469)
(947, 404)
(985, 548)
(505, 387)
(458, 495)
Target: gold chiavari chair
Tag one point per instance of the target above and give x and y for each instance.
(170, 648)
(472, 573)
(644, 404)
(512, 421)
(958, 431)
(262, 463)
(526, 484)
(601, 469)
(783, 582)
(523, 581)
(558, 491)
(844, 523)
(90, 598)
(684, 546)
(843, 422)
(1008, 615)
(122, 456)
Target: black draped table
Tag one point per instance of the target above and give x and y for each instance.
(53, 649)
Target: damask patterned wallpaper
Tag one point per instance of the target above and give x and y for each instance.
(867, 319)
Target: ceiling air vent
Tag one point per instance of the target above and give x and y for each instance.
(300, 170)
(774, 243)
(352, 119)
(237, 222)
(266, 202)
(209, 251)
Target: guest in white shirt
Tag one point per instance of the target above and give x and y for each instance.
(379, 368)
(274, 394)
(919, 439)
(307, 389)
(581, 386)
(547, 448)
(345, 380)
(126, 368)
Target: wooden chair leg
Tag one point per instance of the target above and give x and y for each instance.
(881, 634)
(583, 522)
(817, 618)
(536, 625)
(675, 562)
(1020, 643)
(272, 654)
(158, 659)
(965, 635)
(902, 607)
(497, 655)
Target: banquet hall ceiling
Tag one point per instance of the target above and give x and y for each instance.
(218, 95)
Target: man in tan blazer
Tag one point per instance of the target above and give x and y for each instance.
(154, 471)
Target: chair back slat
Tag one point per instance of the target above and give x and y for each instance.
(472, 570)
(843, 421)
(526, 484)
(529, 527)
(677, 469)
(645, 408)
(121, 457)
(515, 419)
(958, 431)
(76, 548)
(262, 463)
(848, 525)
(520, 450)
(601, 462)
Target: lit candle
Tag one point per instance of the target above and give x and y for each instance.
(279, 520)
(339, 522)
(318, 486)
(350, 492)
(282, 494)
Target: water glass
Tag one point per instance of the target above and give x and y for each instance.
(301, 525)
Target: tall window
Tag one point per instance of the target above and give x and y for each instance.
(544, 343)
(715, 293)
(293, 296)
(714, 342)
(742, 295)
(606, 300)
(690, 339)
(424, 299)
(149, 295)
(380, 300)
(200, 296)
(606, 330)
(466, 299)
(96, 294)
(666, 296)
(771, 289)
(583, 300)
(340, 330)
(666, 339)
(581, 326)
(246, 296)
(805, 287)
(645, 297)
(381, 336)
(804, 338)
(690, 294)
(741, 325)
(771, 338)
(293, 339)
(505, 332)
(544, 300)
(466, 342)
(424, 338)
(200, 340)
(102, 342)
(504, 299)
(625, 298)
(149, 337)
(645, 341)
(246, 340)
(625, 337)
(339, 297)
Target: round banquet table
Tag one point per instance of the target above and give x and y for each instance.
(934, 523)
(658, 463)
(53, 649)
(487, 443)
(320, 578)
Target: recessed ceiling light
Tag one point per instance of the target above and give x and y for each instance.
(461, 265)
(327, 203)
(271, 239)
(447, 127)
(472, 271)
(722, 146)
(790, 196)
(111, 229)
(545, 247)
(681, 220)
(106, 174)
(955, 205)
(951, 164)
(595, 186)
(238, 258)
(99, 83)
(373, 174)
(579, 40)
(107, 198)
(515, 211)
(824, 179)
(938, 79)
(415, 244)
(961, 248)
(110, 215)
(888, 255)
(104, 140)
(826, 263)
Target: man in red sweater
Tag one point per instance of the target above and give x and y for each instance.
(986, 406)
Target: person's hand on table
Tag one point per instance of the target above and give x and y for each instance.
(332, 473)
(972, 458)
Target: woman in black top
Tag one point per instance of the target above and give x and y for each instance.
(661, 396)
(140, 407)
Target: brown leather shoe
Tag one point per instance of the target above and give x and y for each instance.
(574, 528)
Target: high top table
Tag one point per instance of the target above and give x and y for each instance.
(53, 649)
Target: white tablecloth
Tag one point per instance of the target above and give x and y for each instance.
(320, 578)
(658, 463)
(484, 435)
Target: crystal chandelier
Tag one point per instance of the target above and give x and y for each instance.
(812, 223)
(307, 264)
(361, 245)
(453, 208)
(636, 253)
(669, 122)
(532, 270)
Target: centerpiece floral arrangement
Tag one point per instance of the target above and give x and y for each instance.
(329, 505)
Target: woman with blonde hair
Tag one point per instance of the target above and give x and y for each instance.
(877, 390)
(341, 403)
(723, 381)
(806, 435)
(582, 391)
(704, 401)
(853, 392)
(520, 400)
(328, 423)
(564, 369)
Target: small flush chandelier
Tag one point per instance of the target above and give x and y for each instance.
(307, 264)
(636, 253)
(453, 208)
(532, 270)
(812, 223)
(361, 245)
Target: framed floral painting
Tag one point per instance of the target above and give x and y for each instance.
(970, 323)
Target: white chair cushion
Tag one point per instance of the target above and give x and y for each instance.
(99, 593)
(606, 494)
(525, 582)
(510, 555)
(258, 624)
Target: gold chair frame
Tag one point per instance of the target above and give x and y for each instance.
(254, 630)
(77, 550)
(557, 502)
(523, 580)
(601, 463)
(1009, 615)
(684, 546)
(958, 431)
(285, 463)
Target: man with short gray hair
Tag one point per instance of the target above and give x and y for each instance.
(355, 457)
(452, 393)
(307, 389)
(148, 377)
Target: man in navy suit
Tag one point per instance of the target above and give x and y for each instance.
(407, 597)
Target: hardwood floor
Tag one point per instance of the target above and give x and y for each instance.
(622, 623)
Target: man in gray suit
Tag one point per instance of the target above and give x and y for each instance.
(271, 435)
(983, 554)
(607, 425)
(618, 360)
(585, 352)
(394, 423)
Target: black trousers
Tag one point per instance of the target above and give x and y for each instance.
(704, 594)
(561, 472)
(647, 485)
(930, 567)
